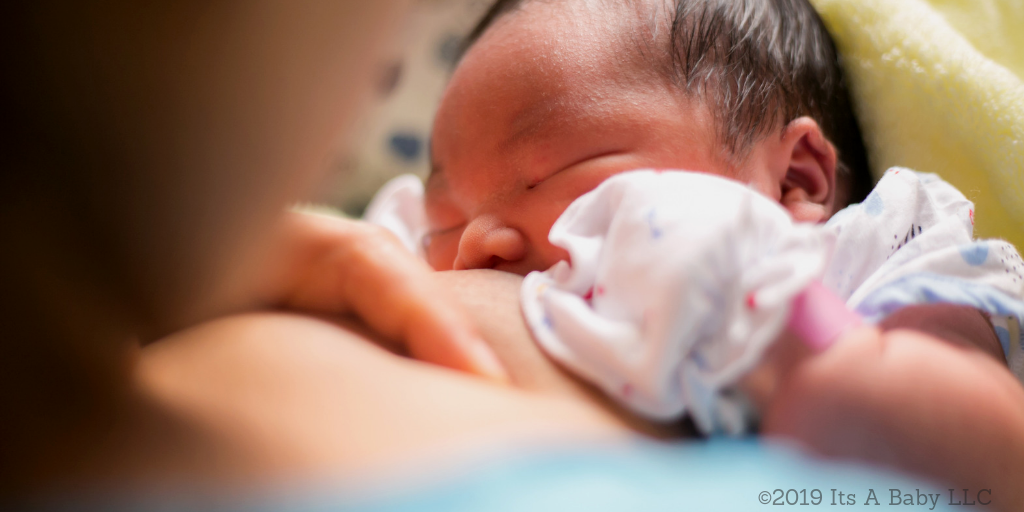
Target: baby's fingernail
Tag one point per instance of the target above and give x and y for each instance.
(486, 362)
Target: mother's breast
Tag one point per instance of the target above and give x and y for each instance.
(307, 397)
(492, 300)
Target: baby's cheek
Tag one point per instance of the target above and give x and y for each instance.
(537, 227)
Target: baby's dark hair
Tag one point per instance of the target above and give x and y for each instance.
(763, 63)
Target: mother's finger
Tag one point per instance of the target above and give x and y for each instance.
(371, 274)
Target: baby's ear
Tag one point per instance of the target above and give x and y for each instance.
(805, 167)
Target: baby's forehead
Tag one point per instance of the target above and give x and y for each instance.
(624, 35)
(546, 57)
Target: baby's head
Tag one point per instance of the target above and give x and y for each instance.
(553, 97)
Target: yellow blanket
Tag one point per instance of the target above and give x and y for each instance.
(939, 87)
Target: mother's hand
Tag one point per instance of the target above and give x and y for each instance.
(333, 265)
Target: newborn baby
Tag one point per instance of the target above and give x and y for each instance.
(554, 98)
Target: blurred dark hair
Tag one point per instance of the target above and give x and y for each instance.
(763, 63)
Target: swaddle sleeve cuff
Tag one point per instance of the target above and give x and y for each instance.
(398, 207)
(677, 284)
(912, 242)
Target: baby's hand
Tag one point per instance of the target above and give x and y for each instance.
(910, 400)
(334, 265)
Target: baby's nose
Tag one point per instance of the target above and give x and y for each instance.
(487, 242)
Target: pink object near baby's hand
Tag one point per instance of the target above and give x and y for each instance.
(819, 317)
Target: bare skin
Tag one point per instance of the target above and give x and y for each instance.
(349, 402)
(308, 398)
(336, 266)
(840, 403)
(834, 403)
